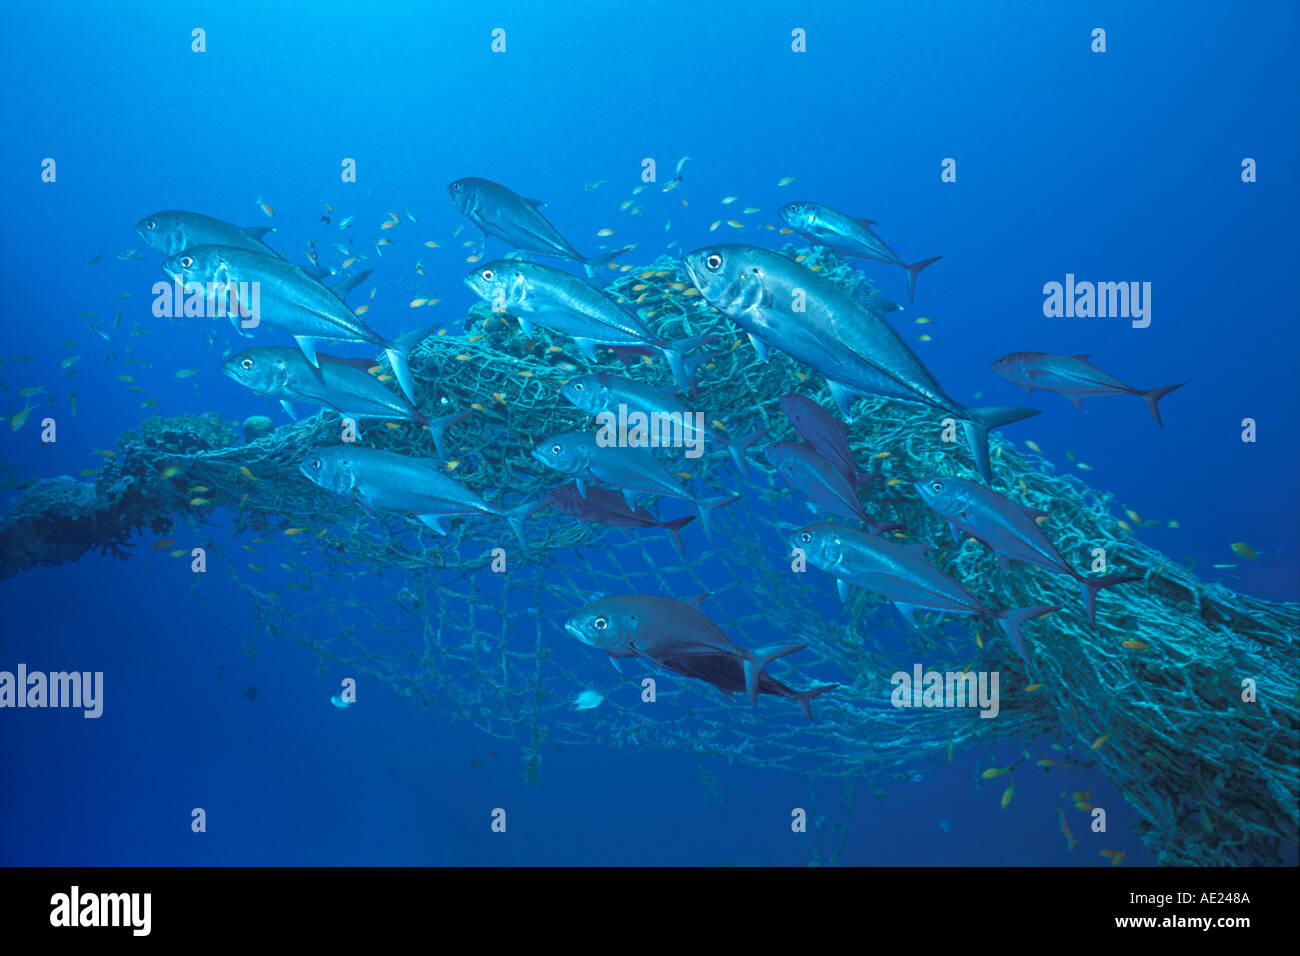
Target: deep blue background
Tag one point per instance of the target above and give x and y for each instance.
(1122, 166)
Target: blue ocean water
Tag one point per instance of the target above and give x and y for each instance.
(1122, 165)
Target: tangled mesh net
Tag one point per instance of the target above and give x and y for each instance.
(1214, 778)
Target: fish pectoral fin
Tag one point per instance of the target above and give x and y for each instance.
(526, 325)
(908, 611)
(759, 347)
(630, 498)
(613, 661)
(866, 222)
(288, 409)
(582, 486)
(588, 348)
(842, 587)
(1076, 401)
(433, 522)
(363, 503)
(843, 396)
(1004, 560)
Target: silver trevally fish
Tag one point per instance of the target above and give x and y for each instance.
(535, 293)
(841, 232)
(633, 470)
(1010, 529)
(417, 486)
(600, 393)
(901, 574)
(855, 349)
(607, 507)
(175, 230)
(821, 481)
(679, 636)
(503, 213)
(342, 385)
(293, 301)
(1073, 377)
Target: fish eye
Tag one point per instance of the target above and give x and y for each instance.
(555, 449)
(577, 386)
(458, 186)
(246, 364)
(713, 262)
(150, 224)
(936, 486)
(186, 261)
(805, 537)
(315, 463)
(600, 623)
(488, 275)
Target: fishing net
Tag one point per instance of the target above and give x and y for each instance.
(1213, 777)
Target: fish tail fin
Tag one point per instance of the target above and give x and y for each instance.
(706, 506)
(978, 423)
(1153, 395)
(438, 428)
(674, 353)
(397, 351)
(518, 514)
(675, 526)
(755, 661)
(1090, 586)
(739, 447)
(1011, 619)
(593, 265)
(912, 271)
(804, 696)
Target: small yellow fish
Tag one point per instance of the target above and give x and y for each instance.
(1006, 795)
(20, 419)
(1046, 763)
(265, 208)
(431, 244)
(416, 303)
(893, 481)
(750, 210)
(254, 567)
(683, 474)
(923, 338)
(392, 425)
(1100, 740)
(243, 499)
(349, 261)
(243, 470)
(200, 502)
(1136, 645)
(785, 231)
(1033, 446)
(728, 200)
(1124, 525)
(785, 181)
(198, 489)
(170, 470)
(1173, 523)
(453, 465)
(105, 453)
(1085, 467)
(179, 552)
(500, 397)
(1116, 857)
(472, 258)
(1245, 551)
(881, 454)
(87, 472)
(992, 772)
(28, 392)
(1133, 516)
(923, 321)
(462, 357)
(1033, 687)
(605, 232)
(734, 224)
(362, 309)
(294, 530)
(384, 378)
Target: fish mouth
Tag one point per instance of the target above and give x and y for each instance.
(689, 266)
(572, 628)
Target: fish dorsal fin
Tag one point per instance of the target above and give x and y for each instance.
(908, 611)
(535, 203)
(865, 222)
(1082, 356)
(696, 601)
(257, 232)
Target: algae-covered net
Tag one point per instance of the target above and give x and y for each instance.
(1210, 767)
